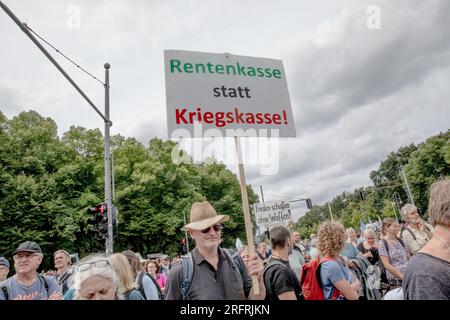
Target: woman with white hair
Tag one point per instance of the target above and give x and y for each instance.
(95, 279)
(369, 247)
(417, 232)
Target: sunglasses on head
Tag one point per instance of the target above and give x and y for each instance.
(216, 227)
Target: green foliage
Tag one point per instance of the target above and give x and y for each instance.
(47, 183)
(423, 164)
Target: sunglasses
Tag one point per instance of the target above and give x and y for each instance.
(216, 227)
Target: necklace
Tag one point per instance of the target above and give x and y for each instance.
(443, 242)
(278, 257)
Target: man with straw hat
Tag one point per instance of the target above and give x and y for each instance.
(215, 274)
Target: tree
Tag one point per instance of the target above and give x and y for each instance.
(427, 164)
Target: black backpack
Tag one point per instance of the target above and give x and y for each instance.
(270, 264)
(141, 286)
(41, 278)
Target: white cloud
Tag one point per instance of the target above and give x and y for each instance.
(357, 94)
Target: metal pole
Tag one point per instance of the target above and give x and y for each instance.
(108, 123)
(108, 200)
(331, 213)
(262, 194)
(23, 27)
(185, 233)
(329, 206)
(112, 177)
(245, 207)
(395, 211)
(411, 199)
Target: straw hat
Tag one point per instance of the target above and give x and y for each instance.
(203, 215)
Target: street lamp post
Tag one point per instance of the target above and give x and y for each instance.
(108, 123)
(185, 232)
(411, 199)
(108, 193)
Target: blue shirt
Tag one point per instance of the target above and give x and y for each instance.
(15, 289)
(349, 251)
(330, 273)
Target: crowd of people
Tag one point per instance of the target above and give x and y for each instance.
(408, 263)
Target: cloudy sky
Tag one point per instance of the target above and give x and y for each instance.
(360, 87)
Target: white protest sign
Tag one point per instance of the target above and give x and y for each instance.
(272, 213)
(224, 93)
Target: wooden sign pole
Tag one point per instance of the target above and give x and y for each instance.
(245, 206)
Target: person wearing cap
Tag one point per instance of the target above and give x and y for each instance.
(4, 269)
(63, 269)
(215, 276)
(165, 265)
(26, 283)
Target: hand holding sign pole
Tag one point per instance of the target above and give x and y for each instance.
(233, 96)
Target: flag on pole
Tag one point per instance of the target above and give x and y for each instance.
(239, 244)
(362, 225)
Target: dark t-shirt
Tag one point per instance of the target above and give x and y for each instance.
(280, 278)
(426, 278)
(375, 255)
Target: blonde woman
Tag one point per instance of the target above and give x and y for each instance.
(369, 247)
(393, 253)
(127, 287)
(337, 280)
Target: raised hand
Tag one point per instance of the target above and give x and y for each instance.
(56, 296)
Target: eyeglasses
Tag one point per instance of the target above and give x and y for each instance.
(97, 264)
(23, 255)
(216, 227)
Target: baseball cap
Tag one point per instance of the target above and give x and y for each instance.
(4, 262)
(28, 246)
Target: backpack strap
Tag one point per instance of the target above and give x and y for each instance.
(140, 284)
(235, 262)
(5, 291)
(410, 232)
(158, 288)
(44, 282)
(270, 264)
(336, 293)
(188, 271)
(386, 244)
(401, 242)
(322, 260)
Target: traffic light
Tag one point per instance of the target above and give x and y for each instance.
(99, 220)
(103, 220)
(309, 204)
